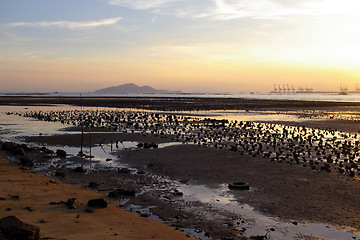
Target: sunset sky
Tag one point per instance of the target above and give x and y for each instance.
(186, 45)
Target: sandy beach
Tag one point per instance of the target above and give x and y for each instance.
(27, 196)
(291, 192)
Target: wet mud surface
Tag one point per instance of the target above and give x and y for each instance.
(297, 174)
(288, 192)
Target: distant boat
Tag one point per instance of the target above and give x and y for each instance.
(343, 90)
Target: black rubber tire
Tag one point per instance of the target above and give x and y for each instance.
(239, 186)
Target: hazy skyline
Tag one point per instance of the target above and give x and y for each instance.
(186, 45)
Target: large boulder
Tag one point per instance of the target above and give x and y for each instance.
(14, 228)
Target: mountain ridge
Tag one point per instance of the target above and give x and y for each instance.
(131, 88)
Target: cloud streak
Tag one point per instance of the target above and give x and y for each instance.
(142, 4)
(237, 9)
(69, 24)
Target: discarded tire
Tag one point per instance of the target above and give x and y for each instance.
(239, 186)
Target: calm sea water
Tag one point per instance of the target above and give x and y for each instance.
(351, 97)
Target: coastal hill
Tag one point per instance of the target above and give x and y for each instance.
(131, 88)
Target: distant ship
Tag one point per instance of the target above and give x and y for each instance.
(343, 90)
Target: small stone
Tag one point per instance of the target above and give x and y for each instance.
(145, 215)
(93, 185)
(26, 161)
(88, 210)
(124, 170)
(60, 173)
(61, 153)
(80, 170)
(30, 209)
(57, 203)
(121, 192)
(72, 203)
(16, 197)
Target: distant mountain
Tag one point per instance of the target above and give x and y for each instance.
(131, 88)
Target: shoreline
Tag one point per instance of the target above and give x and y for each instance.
(34, 193)
(184, 103)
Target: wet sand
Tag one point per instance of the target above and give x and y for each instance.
(36, 191)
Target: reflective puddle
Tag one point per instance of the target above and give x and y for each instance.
(257, 223)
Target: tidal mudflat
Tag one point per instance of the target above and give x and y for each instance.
(303, 178)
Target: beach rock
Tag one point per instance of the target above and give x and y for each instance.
(239, 186)
(10, 147)
(121, 192)
(15, 197)
(46, 150)
(72, 203)
(26, 161)
(61, 153)
(124, 170)
(14, 228)
(93, 185)
(80, 170)
(146, 145)
(153, 145)
(140, 172)
(30, 209)
(60, 173)
(97, 203)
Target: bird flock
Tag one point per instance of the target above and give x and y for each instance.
(322, 150)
